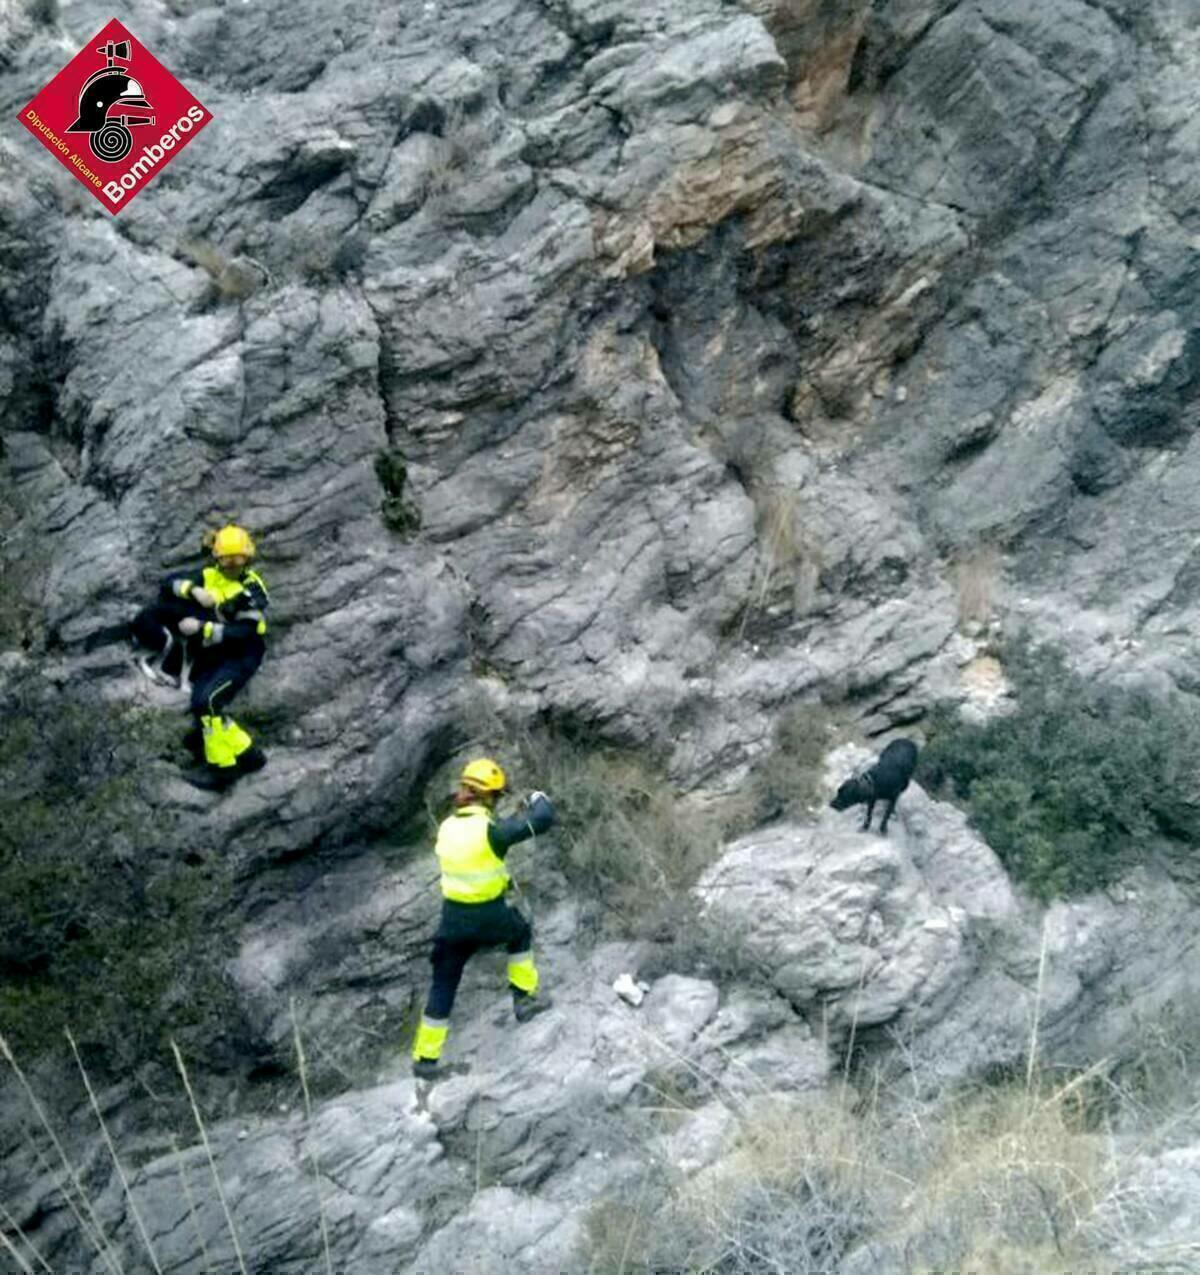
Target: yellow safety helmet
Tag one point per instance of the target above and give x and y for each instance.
(232, 542)
(483, 775)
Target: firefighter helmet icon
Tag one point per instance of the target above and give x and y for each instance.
(103, 102)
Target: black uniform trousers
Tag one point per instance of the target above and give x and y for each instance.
(465, 929)
(219, 673)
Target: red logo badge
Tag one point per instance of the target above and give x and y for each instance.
(114, 116)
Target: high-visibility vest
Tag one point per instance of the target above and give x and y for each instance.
(224, 588)
(471, 870)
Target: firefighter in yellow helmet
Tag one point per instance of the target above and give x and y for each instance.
(218, 612)
(471, 845)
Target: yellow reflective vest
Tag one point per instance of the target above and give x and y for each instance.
(223, 588)
(471, 870)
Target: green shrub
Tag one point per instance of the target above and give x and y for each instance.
(22, 567)
(692, 943)
(392, 471)
(1076, 783)
(99, 929)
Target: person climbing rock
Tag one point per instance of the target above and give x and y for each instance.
(471, 845)
(219, 615)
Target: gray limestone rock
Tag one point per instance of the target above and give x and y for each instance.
(840, 922)
(922, 934)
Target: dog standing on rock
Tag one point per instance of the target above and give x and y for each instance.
(883, 781)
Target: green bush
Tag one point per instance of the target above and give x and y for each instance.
(99, 929)
(399, 513)
(1077, 783)
(22, 566)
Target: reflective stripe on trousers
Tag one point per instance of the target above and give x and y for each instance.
(430, 1037)
(224, 741)
(522, 973)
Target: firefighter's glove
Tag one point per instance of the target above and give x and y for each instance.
(536, 795)
(189, 626)
(214, 632)
(204, 597)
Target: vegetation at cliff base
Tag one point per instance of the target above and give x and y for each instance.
(1077, 782)
(100, 930)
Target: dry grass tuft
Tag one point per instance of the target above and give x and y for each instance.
(628, 837)
(233, 280)
(457, 157)
(789, 555)
(976, 579)
(1002, 1179)
(1011, 1171)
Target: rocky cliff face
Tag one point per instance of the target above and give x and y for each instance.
(763, 337)
(644, 369)
(742, 376)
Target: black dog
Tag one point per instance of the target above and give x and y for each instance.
(884, 781)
